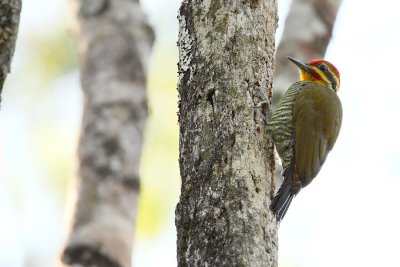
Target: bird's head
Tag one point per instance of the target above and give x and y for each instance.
(319, 71)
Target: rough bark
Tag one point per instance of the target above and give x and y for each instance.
(307, 33)
(226, 59)
(115, 42)
(9, 20)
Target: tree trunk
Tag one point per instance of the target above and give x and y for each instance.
(226, 59)
(307, 33)
(115, 41)
(9, 13)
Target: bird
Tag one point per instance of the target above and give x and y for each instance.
(305, 127)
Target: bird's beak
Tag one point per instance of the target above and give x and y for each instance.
(302, 66)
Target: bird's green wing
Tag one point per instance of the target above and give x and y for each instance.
(317, 115)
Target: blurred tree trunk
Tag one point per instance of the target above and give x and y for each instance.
(307, 33)
(115, 41)
(9, 13)
(226, 59)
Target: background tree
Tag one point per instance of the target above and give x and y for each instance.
(306, 35)
(226, 59)
(9, 14)
(115, 41)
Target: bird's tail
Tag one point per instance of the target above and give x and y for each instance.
(284, 197)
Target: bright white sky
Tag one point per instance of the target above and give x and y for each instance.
(347, 217)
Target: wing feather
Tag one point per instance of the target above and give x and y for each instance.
(317, 114)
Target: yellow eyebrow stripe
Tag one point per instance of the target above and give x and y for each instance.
(322, 75)
(326, 78)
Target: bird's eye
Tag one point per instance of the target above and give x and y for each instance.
(322, 67)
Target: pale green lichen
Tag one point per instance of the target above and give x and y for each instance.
(222, 25)
(214, 8)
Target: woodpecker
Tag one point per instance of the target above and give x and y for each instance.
(304, 127)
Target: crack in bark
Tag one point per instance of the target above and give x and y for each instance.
(210, 96)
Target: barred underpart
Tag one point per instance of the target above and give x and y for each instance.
(282, 124)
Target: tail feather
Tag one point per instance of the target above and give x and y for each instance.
(284, 197)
